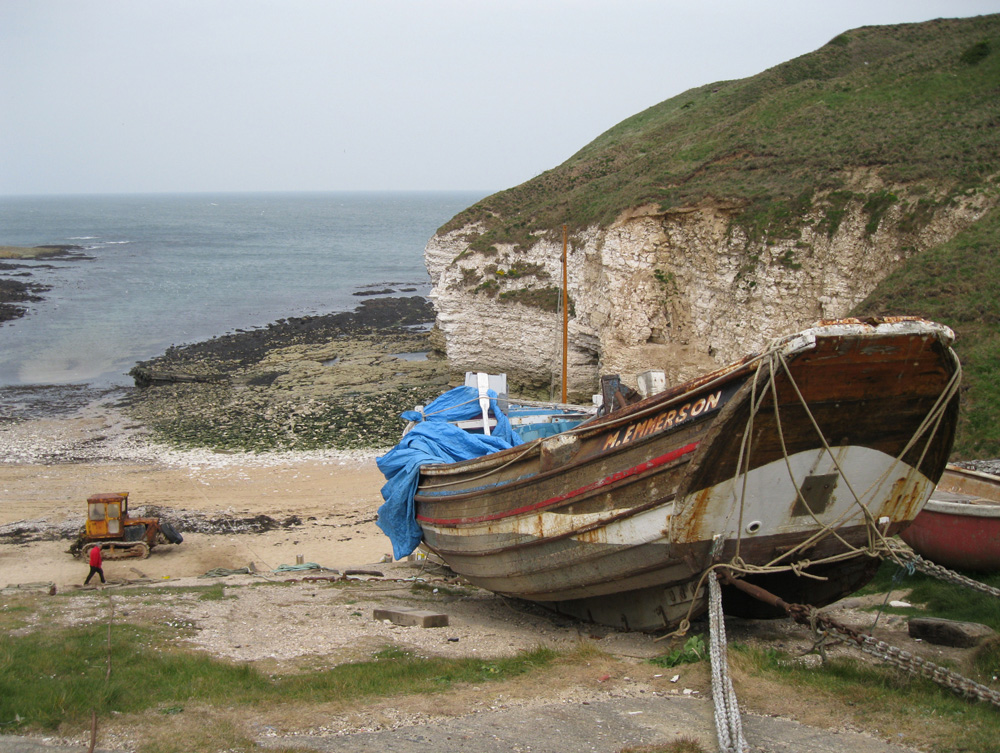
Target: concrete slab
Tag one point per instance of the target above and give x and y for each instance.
(411, 617)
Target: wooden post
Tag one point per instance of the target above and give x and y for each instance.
(565, 302)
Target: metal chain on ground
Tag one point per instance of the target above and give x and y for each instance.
(898, 553)
(813, 618)
(728, 724)
(934, 672)
(807, 615)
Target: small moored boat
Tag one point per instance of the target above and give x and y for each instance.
(959, 527)
(789, 465)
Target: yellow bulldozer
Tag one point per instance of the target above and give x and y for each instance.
(119, 536)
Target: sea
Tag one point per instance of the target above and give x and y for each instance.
(161, 270)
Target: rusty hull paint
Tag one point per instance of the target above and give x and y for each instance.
(551, 522)
(875, 407)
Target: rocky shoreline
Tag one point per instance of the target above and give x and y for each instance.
(337, 381)
(15, 293)
(327, 385)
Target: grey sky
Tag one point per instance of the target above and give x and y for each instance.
(107, 96)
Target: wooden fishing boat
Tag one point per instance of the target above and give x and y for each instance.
(791, 463)
(959, 527)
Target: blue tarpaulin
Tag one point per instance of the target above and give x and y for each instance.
(433, 440)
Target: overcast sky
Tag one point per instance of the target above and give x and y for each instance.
(116, 96)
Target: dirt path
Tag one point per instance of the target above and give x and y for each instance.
(604, 726)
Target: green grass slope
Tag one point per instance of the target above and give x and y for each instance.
(916, 102)
(917, 105)
(958, 284)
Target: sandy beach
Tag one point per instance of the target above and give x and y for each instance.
(335, 501)
(318, 505)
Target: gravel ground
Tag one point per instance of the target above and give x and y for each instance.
(615, 700)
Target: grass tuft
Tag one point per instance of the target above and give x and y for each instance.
(986, 662)
(693, 651)
(54, 677)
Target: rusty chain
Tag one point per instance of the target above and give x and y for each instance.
(807, 615)
(810, 616)
(908, 557)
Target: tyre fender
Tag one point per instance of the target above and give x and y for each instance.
(170, 533)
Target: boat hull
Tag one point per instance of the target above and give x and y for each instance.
(959, 527)
(791, 457)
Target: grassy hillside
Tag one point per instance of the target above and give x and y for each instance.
(958, 283)
(917, 105)
(916, 102)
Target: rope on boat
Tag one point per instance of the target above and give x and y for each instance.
(878, 544)
(876, 538)
(728, 723)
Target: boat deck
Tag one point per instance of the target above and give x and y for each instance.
(957, 497)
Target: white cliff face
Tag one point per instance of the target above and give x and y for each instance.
(683, 292)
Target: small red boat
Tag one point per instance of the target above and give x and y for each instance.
(959, 527)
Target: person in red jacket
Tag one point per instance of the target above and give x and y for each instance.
(95, 565)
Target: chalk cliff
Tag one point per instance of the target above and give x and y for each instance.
(711, 222)
(683, 291)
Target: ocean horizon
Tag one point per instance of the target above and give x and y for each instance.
(156, 270)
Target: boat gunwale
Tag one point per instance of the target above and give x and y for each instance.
(530, 479)
(973, 508)
(609, 483)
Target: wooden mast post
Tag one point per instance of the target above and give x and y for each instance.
(565, 306)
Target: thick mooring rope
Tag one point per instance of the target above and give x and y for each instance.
(728, 723)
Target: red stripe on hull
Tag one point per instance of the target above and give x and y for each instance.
(607, 480)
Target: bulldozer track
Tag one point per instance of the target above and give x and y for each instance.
(120, 550)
